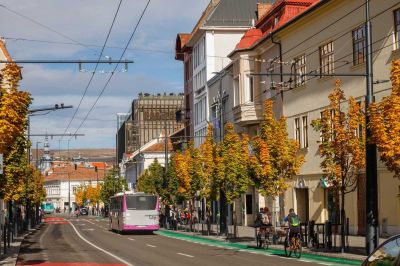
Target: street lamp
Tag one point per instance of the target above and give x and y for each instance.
(37, 152)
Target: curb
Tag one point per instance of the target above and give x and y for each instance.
(243, 247)
(10, 259)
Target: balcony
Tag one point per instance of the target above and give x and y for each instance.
(247, 114)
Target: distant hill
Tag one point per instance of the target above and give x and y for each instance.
(103, 155)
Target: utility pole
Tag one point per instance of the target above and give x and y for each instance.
(37, 154)
(165, 147)
(372, 234)
(222, 196)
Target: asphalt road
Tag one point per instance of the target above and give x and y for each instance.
(87, 240)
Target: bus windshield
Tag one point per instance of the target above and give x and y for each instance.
(141, 202)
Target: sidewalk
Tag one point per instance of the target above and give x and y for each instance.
(10, 258)
(246, 239)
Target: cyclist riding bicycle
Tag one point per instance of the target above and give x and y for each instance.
(294, 225)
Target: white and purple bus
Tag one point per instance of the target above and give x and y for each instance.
(134, 211)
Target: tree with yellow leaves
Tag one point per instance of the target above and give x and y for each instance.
(80, 195)
(188, 171)
(13, 107)
(207, 155)
(13, 143)
(385, 124)
(232, 175)
(209, 190)
(275, 157)
(342, 149)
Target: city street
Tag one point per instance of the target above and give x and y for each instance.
(64, 239)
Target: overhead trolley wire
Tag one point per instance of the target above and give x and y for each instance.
(116, 66)
(94, 71)
(47, 27)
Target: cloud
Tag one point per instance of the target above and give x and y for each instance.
(88, 22)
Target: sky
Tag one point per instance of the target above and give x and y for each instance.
(73, 30)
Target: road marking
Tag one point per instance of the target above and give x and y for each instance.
(88, 229)
(150, 246)
(80, 224)
(131, 239)
(89, 221)
(186, 255)
(99, 248)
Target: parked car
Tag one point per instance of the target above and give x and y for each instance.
(83, 211)
(386, 254)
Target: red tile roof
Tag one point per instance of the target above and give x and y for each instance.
(159, 147)
(281, 13)
(68, 172)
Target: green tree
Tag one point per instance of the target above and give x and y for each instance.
(171, 194)
(152, 180)
(112, 183)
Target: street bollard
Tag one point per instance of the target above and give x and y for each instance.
(328, 232)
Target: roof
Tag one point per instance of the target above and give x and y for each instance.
(158, 147)
(180, 48)
(67, 171)
(100, 165)
(5, 51)
(234, 13)
(280, 15)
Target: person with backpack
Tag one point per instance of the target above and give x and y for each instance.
(294, 224)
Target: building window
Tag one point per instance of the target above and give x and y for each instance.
(304, 143)
(359, 45)
(397, 28)
(326, 59)
(300, 70)
(251, 89)
(297, 136)
(236, 90)
(249, 204)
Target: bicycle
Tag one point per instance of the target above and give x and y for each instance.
(263, 239)
(293, 245)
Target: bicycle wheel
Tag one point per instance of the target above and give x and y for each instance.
(258, 241)
(267, 242)
(288, 248)
(297, 250)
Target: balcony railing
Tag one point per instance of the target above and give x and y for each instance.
(247, 113)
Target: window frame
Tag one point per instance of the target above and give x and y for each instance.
(396, 21)
(326, 59)
(251, 88)
(297, 130)
(357, 42)
(304, 131)
(300, 69)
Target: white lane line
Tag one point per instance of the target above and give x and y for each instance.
(186, 255)
(150, 246)
(89, 221)
(88, 229)
(99, 248)
(131, 239)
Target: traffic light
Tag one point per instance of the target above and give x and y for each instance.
(76, 166)
(95, 168)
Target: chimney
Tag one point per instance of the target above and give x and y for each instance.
(262, 9)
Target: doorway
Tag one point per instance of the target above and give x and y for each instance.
(302, 204)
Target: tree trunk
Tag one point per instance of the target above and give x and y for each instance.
(234, 221)
(342, 221)
(191, 214)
